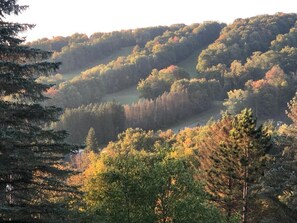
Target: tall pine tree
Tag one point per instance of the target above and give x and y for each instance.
(32, 179)
(253, 143)
(237, 164)
(223, 175)
(91, 141)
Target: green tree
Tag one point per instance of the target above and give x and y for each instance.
(252, 143)
(91, 141)
(277, 189)
(107, 119)
(267, 96)
(130, 185)
(237, 100)
(160, 81)
(292, 113)
(32, 178)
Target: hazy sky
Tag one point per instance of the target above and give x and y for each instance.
(65, 17)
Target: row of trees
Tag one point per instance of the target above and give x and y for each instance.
(57, 43)
(161, 112)
(107, 120)
(163, 51)
(78, 50)
(79, 55)
(256, 67)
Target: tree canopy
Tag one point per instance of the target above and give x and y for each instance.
(133, 184)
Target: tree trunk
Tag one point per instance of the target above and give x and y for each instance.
(229, 211)
(245, 202)
(245, 196)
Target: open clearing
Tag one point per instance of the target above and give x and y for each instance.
(200, 119)
(125, 51)
(190, 63)
(127, 96)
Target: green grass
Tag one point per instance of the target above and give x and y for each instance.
(127, 96)
(190, 63)
(125, 51)
(200, 119)
(215, 113)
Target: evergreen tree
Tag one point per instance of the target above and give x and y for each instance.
(253, 143)
(223, 176)
(277, 190)
(32, 176)
(91, 141)
(237, 164)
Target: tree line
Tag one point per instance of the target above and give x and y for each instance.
(78, 50)
(107, 120)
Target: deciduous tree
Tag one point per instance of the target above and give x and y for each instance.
(131, 185)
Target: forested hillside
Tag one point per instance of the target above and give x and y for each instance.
(255, 61)
(250, 63)
(169, 48)
(119, 93)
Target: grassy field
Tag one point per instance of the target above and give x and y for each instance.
(122, 52)
(190, 63)
(214, 113)
(127, 96)
(200, 119)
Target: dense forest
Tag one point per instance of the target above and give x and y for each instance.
(86, 123)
